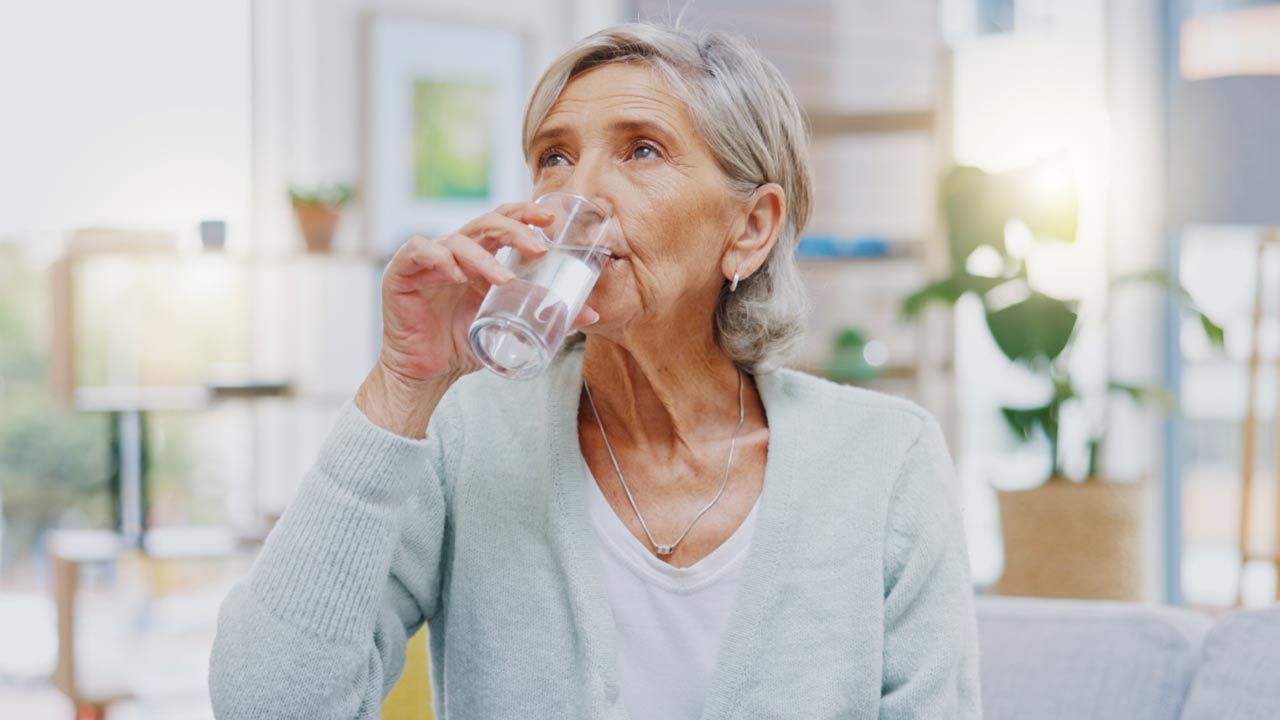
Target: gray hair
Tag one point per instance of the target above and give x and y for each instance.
(749, 117)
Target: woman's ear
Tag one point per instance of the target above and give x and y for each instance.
(766, 212)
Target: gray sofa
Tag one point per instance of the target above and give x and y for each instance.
(1078, 660)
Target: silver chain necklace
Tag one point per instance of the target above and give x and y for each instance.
(668, 549)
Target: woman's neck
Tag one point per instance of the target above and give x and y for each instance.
(662, 393)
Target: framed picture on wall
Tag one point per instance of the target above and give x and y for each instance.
(443, 107)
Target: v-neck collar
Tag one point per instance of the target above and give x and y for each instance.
(572, 533)
(617, 540)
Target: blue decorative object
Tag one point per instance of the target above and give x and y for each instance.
(831, 246)
(213, 234)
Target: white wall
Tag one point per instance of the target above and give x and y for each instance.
(134, 113)
(1133, 448)
(309, 72)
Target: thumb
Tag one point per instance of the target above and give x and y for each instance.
(587, 316)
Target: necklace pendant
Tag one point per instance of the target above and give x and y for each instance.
(666, 549)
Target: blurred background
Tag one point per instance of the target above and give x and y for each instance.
(1056, 225)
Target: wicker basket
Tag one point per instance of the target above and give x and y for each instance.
(1068, 539)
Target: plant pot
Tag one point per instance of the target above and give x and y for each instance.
(317, 223)
(1066, 539)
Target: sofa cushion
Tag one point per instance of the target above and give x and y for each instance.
(1239, 675)
(1071, 659)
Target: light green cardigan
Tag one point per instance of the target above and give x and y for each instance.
(855, 600)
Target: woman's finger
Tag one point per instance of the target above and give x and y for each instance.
(495, 229)
(422, 255)
(476, 260)
(586, 316)
(527, 212)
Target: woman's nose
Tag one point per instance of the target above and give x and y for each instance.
(589, 181)
(600, 201)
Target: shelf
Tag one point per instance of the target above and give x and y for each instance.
(887, 257)
(817, 248)
(250, 390)
(836, 123)
(172, 397)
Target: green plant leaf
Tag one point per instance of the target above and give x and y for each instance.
(1140, 394)
(1214, 331)
(332, 196)
(1038, 327)
(1157, 277)
(976, 208)
(947, 290)
(1216, 334)
(847, 363)
(1063, 390)
(1025, 421)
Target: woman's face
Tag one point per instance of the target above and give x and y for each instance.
(617, 136)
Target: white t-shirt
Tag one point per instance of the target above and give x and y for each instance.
(669, 620)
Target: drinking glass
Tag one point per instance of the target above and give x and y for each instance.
(520, 325)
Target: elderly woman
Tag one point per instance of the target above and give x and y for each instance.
(664, 524)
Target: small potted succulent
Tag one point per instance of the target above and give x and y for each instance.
(318, 210)
(1066, 537)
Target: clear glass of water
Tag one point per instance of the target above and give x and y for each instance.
(520, 325)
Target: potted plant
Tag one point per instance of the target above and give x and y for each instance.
(848, 362)
(1066, 537)
(318, 210)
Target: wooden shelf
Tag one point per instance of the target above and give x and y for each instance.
(172, 397)
(825, 122)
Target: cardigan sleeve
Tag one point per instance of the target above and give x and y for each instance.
(351, 570)
(930, 665)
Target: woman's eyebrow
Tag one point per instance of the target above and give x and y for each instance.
(642, 126)
(554, 132)
(624, 125)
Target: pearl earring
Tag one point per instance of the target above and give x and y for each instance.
(734, 286)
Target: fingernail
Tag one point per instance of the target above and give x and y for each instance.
(593, 317)
(506, 274)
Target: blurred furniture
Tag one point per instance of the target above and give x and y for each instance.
(1248, 453)
(148, 361)
(1237, 674)
(68, 552)
(126, 419)
(1072, 659)
(1231, 41)
(127, 409)
(1224, 168)
(144, 641)
(1069, 659)
(410, 698)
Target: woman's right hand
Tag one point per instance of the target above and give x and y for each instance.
(432, 290)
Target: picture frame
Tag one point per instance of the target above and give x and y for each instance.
(444, 102)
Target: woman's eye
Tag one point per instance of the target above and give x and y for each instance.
(546, 159)
(634, 152)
